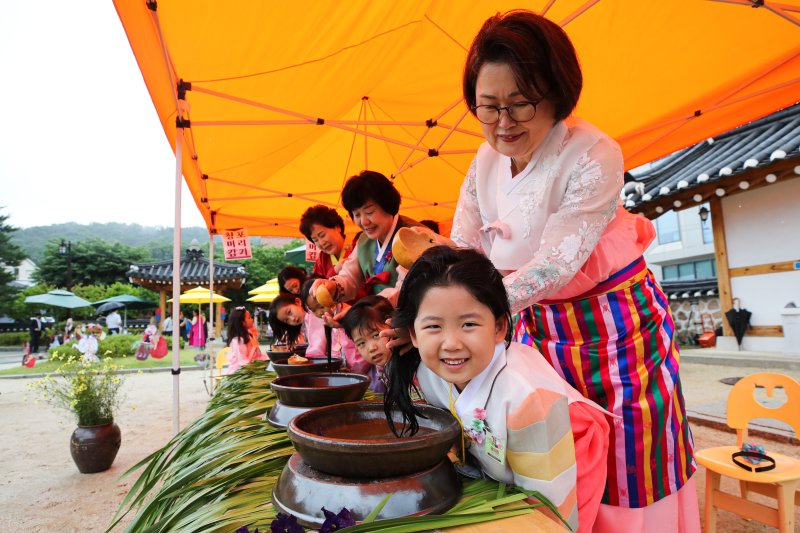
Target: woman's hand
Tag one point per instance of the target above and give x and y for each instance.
(330, 287)
(334, 320)
(397, 338)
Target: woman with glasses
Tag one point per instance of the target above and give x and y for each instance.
(542, 200)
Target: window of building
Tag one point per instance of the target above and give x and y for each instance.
(670, 272)
(668, 228)
(686, 271)
(705, 269)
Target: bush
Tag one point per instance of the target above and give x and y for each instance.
(181, 342)
(118, 345)
(66, 351)
(15, 338)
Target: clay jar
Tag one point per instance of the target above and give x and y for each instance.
(94, 448)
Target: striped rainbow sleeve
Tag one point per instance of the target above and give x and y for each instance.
(541, 451)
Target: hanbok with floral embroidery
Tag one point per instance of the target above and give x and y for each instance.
(572, 260)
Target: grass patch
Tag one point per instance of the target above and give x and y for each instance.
(46, 367)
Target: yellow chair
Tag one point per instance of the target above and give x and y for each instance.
(220, 361)
(781, 483)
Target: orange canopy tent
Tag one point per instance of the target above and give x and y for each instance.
(270, 106)
(281, 101)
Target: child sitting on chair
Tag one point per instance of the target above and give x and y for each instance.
(363, 323)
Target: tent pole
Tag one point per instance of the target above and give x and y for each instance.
(211, 332)
(176, 284)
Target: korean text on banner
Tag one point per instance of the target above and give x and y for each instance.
(311, 252)
(237, 244)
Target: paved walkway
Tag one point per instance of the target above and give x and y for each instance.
(701, 372)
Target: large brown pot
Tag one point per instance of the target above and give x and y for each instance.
(94, 448)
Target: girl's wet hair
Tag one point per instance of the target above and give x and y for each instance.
(439, 266)
(236, 327)
(369, 312)
(280, 329)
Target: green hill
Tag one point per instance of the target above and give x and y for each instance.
(156, 239)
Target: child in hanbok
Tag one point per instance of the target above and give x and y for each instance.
(523, 424)
(363, 324)
(242, 340)
(288, 319)
(88, 344)
(336, 340)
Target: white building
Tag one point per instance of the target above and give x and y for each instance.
(23, 274)
(747, 179)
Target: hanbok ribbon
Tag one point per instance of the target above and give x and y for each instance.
(377, 279)
(499, 227)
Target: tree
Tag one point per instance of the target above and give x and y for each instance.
(10, 256)
(94, 262)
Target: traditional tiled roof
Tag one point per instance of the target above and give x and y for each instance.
(194, 271)
(755, 154)
(679, 290)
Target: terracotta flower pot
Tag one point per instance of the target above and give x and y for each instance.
(94, 448)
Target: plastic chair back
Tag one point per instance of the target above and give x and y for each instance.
(222, 357)
(743, 406)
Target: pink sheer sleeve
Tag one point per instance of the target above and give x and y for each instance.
(349, 279)
(572, 232)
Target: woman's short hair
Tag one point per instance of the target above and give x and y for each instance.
(370, 186)
(322, 215)
(539, 53)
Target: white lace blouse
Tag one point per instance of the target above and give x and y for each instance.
(540, 226)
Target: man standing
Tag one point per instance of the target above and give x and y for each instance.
(167, 327)
(113, 321)
(36, 332)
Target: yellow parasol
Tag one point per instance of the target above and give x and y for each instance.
(267, 288)
(200, 295)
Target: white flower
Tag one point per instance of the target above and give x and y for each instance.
(569, 247)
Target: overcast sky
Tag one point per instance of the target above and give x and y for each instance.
(80, 140)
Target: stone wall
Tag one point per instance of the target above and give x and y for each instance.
(687, 313)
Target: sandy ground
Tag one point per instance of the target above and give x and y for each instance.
(41, 490)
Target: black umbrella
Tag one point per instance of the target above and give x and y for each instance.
(739, 319)
(109, 306)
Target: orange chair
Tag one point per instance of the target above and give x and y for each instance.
(781, 483)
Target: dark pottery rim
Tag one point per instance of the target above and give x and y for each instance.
(307, 396)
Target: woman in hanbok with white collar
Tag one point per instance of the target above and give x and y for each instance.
(541, 200)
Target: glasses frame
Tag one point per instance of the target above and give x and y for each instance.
(507, 109)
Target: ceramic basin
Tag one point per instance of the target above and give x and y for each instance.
(354, 440)
(315, 364)
(319, 389)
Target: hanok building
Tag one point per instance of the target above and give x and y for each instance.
(739, 191)
(195, 272)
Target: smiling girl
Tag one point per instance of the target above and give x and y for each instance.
(524, 424)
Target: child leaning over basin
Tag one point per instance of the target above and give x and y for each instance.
(523, 424)
(363, 323)
(340, 344)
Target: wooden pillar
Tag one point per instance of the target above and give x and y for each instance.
(162, 305)
(721, 255)
(218, 320)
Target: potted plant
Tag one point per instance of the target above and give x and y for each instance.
(91, 391)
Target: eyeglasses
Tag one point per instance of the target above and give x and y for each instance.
(518, 112)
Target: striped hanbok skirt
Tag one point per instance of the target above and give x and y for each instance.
(616, 345)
